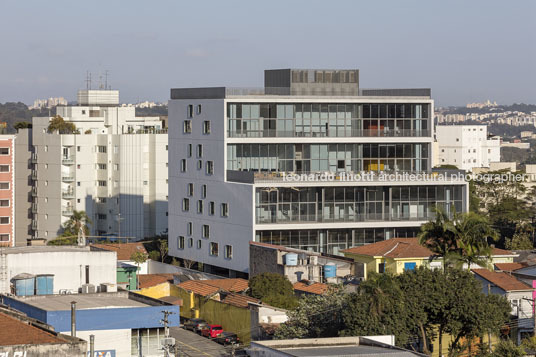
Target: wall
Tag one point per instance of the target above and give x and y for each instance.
(67, 266)
(8, 230)
(46, 350)
(232, 318)
(128, 275)
(118, 340)
(263, 260)
(22, 187)
(160, 290)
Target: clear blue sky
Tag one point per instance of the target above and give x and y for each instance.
(468, 50)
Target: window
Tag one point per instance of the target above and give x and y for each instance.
(4, 237)
(185, 204)
(381, 268)
(46, 148)
(4, 168)
(409, 266)
(228, 252)
(199, 150)
(116, 167)
(206, 231)
(101, 149)
(166, 148)
(190, 242)
(78, 166)
(200, 206)
(198, 109)
(214, 249)
(190, 112)
(78, 148)
(102, 166)
(102, 183)
(206, 127)
(101, 199)
(4, 185)
(190, 228)
(145, 183)
(183, 165)
(225, 210)
(101, 216)
(4, 203)
(189, 150)
(210, 167)
(190, 189)
(457, 139)
(116, 149)
(187, 127)
(180, 242)
(211, 208)
(204, 191)
(199, 244)
(4, 220)
(199, 164)
(4, 151)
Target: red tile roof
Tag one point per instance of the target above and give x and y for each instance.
(18, 332)
(239, 300)
(235, 285)
(510, 266)
(315, 288)
(198, 287)
(148, 280)
(124, 250)
(503, 280)
(497, 251)
(395, 248)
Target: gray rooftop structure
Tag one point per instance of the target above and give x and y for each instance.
(44, 249)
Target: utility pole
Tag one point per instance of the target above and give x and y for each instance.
(167, 342)
(91, 345)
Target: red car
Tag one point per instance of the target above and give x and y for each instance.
(212, 331)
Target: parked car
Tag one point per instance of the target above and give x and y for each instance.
(227, 338)
(193, 324)
(212, 331)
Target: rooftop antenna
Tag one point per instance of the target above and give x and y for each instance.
(106, 72)
(100, 82)
(88, 80)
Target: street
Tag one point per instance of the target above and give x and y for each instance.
(193, 345)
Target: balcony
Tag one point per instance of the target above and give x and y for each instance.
(34, 191)
(296, 218)
(67, 211)
(67, 178)
(67, 160)
(34, 224)
(349, 133)
(34, 175)
(34, 208)
(68, 195)
(33, 159)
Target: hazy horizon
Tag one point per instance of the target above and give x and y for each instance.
(464, 51)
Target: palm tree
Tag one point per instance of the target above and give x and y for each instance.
(439, 235)
(473, 232)
(79, 221)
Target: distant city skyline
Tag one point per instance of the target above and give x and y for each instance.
(465, 51)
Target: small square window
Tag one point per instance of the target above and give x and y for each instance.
(190, 228)
(190, 112)
(189, 150)
(224, 210)
(183, 165)
(204, 191)
(185, 204)
(206, 231)
(180, 242)
(4, 220)
(199, 150)
(187, 127)
(228, 253)
(200, 206)
(211, 206)
(206, 127)
(190, 242)
(199, 164)
(198, 109)
(4, 151)
(214, 249)
(210, 168)
(190, 189)
(199, 244)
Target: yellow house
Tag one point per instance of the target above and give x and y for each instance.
(392, 255)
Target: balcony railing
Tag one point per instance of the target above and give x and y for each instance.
(67, 160)
(34, 224)
(272, 133)
(356, 217)
(67, 195)
(34, 208)
(67, 178)
(67, 211)
(33, 159)
(34, 191)
(34, 175)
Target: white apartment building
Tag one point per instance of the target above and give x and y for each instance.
(467, 146)
(114, 169)
(232, 150)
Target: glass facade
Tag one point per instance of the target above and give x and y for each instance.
(304, 158)
(327, 120)
(354, 204)
(332, 241)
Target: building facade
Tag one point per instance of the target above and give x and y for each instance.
(114, 168)
(7, 190)
(467, 146)
(309, 162)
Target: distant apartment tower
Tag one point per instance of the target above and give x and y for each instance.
(467, 146)
(114, 168)
(7, 189)
(231, 150)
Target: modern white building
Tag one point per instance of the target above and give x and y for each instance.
(467, 146)
(114, 168)
(237, 157)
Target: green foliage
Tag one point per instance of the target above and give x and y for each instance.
(273, 289)
(520, 241)
(529, 344)
(22, 125)
(474, 200)
(63, 241)
(138, 258)
(447, 167)
(57, 124)
(154, 255)
(315, 316)
(78, 220)
(507, 348)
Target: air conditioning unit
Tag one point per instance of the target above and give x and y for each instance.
(108, 288)
(168, 341)
(88, 289)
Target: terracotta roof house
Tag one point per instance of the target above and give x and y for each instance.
(235, 285)
(28, 336)
(124, 250)
(305, 287)
(509, 267)
(149, 280)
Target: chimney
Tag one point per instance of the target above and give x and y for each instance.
(73, 318)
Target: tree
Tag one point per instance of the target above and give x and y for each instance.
(22, 125)
(507, 348)
(78, 220)
(138, 258)
(315, 316)
(154, 255)
(57, 124)
(439, 235)
(188, 264)
(273, 289)
(520, 241)
(162, 245)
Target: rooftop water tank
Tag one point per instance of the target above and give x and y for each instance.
(330, 271)
(24, 284)
(291, 259)
(44, 284)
